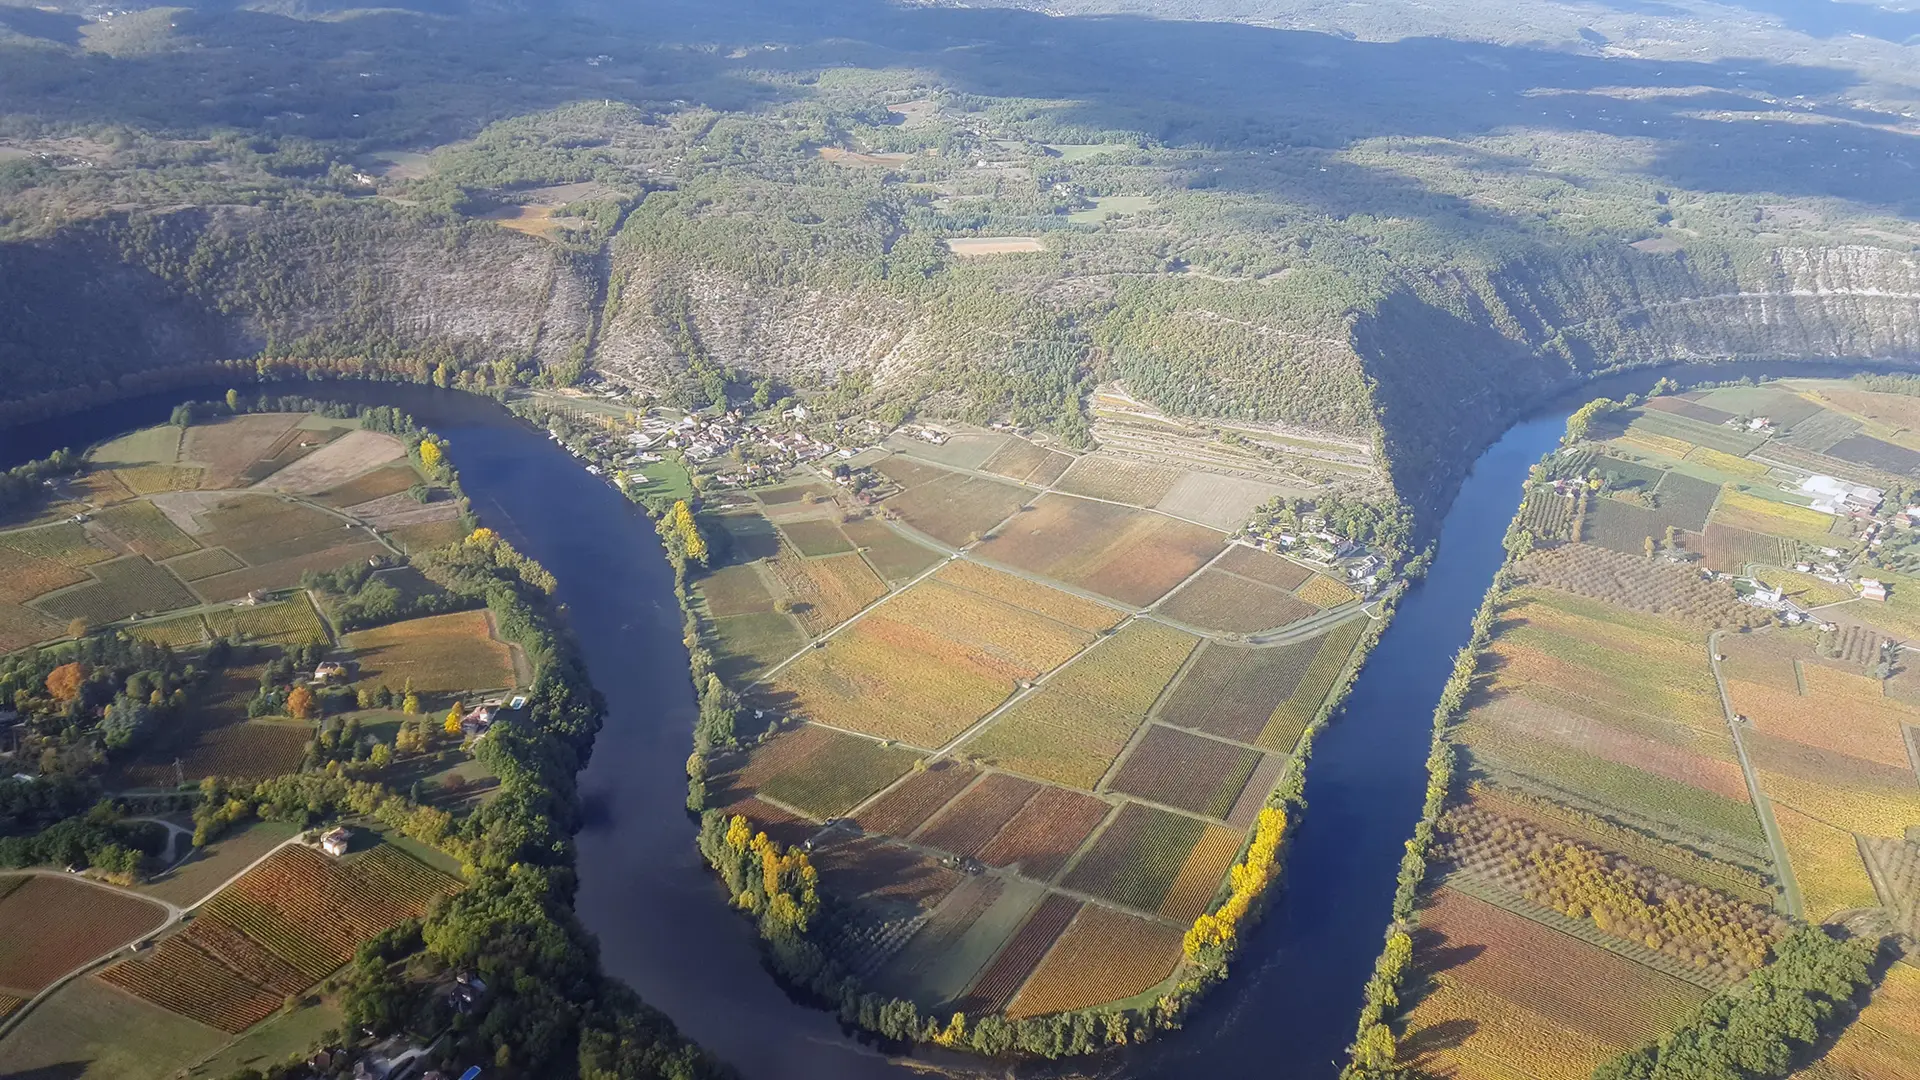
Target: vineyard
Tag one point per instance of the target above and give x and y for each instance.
(1133, 556)
(1003, 977)
(909, 805)
(1185, 771)
(1639, 584)
(124, 587)
(893, 680)
(1684, 920)
(1017, 460)
(829, 591)
(1510, 998)
(51, 925)
(1046, 832)
(146, 530)
(1547, 514)
(811, 766)
(954, 509)
(1116, 480)
(1324, 592)
(440, 653)
(1137, 859)
(180, 977)
(1227, 603)
(312, 912)
(974, 818)
(1268, 569)
(1071, 729)
(204, 563)
(1104, 956)
(1040, 599)
(1027, 643)
(1729, 550)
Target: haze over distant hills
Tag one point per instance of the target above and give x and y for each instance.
(1322, 215)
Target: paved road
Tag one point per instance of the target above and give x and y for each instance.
(1790, 899)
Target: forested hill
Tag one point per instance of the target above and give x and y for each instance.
(1360, 223)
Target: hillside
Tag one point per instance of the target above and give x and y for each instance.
(1272, 212)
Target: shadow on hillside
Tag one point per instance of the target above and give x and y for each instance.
(408, 77)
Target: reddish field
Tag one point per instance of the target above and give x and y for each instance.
(1046, 832)
(51, 925)
(313, 912)
(1139, 856)
(1531, 719)
(181, 978)
(1133, 556)
(1104, 956)
(1232, 691)
(1002, 978)
(1188, 772)
(1264, 567)
(908, 806)
(1513, 999)
(974, 818)
(1228, 603)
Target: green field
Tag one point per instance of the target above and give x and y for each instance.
(92, 1031)
(125, 587)
(665, 480)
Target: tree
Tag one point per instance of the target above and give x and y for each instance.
(1649, 547)
(430, 455)
(77, 628)
(233, 400)
(64, 681)
(382, 755)
(300, 703)
(452, 724)
(410, 704)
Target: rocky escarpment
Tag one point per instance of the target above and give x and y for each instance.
(134, 293)
(1455, 358)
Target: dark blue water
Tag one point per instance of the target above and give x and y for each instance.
(661, 919)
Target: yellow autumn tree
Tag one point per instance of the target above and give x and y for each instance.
(1214, 933)
(683, 525)
(300, 703)
(452, 723)
(430, 455)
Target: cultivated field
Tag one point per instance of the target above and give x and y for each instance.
(1070, 729)
(1104, 956)
(1143, 854)
(1119, 480)
(342, 460)
(120, 589)
(953, 508)
(892, 556)
(1228, 603)
(827, 591)
(1187, 772)
(975, 246)
(1132, 556)
(820, 772)
(50, 925)
(1263, 696)
(1510, 999)
(440, 654)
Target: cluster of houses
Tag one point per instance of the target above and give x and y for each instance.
(1311, 542)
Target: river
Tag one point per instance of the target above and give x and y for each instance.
(1288, 1009)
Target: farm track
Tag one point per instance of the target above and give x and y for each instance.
(1790, 898)
(174, 914)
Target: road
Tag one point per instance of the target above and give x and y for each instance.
(1790, 899)
(175, 913)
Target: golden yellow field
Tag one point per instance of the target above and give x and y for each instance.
(895, 681)
(441, 653)
(1323, 592)
(1200, 875)
(1743, 511)
(1861, 728)
(1031, 595)
(1879, 812)
(1884, 1043)
(1826, 864)
(1014, 635)
(1655, 444)
(1726, 463)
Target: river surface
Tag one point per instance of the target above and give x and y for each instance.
(1288, 1008)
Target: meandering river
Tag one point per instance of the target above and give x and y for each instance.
(661, 917)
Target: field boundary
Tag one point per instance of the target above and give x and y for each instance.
(1582, 931)
(1790, 898)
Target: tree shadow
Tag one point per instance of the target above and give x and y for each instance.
(54, 26)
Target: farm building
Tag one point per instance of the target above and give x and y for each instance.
(329, 670)
(334, 841)
(1832, 495)
(1873, 589)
